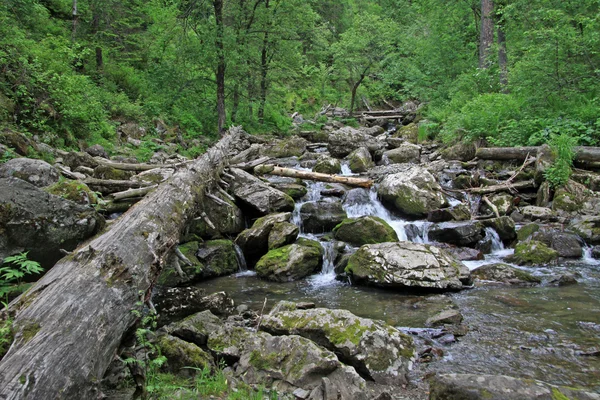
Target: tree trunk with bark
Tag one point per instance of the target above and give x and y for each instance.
(315, 176)
(69, 325)
(486, 35)
(220, 74)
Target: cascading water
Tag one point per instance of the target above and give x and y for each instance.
(497, 244)
(239, 254)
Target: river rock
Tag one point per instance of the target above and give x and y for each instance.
(504, 227)
(110, 173)
(291, 262)
(294, 146)
(328, 165)
(173, 304)
(183, 358)
(532, 252)
(345, 140)
(503, 202)
(569, 198)
(596, 252)
(36, 172)
(217, 258)
(457, 233)
(564, 280)
(527, 230)
(376, 350)
(587, 227)
(321, 216)
(566, 244)
(227, 220)
(462, 253)
(459, 212)
(294, 190)
(97, 151)
(254, 241)
(446, 317)
(75, 191)
(405, 264)
(40, 223)
(360, 160)
(413, 192)
(281, 234)
(499, 387)
(259, 196)
(462, 151)
(405, 153)
(365, 230)
(408, 132)
(506, 274)
(534, 213)
(75, 159)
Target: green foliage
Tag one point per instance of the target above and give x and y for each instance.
(562, 147)
(6, 333)
(13, 269)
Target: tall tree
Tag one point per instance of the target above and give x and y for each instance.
(486, 34)
(220, 70)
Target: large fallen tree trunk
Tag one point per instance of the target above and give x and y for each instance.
(315, 176)
(69, 325)
(503, 187)
(138, 167)
(583, 154)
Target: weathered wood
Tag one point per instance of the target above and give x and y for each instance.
(248, 166)
(492, 206)
(505, 153)
(133, 193)
(315, 176)
(503, 187)
(138, 167)
(69, 325)
(106, 186)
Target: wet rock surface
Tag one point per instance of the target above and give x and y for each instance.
(37, 172)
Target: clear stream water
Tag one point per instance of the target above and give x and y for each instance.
(540, 332)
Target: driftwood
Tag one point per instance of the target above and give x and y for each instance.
(503, 187)
(132, 193)
(492, 206)
(315, 176)
(69, 325)
(248, 166)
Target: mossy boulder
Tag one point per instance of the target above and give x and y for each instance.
(467, 233)
(281, 234)
(107, 172)
(534, 213)
(227, 220)
(292, 147)
(291, 262)
(405, 153)
(504, 227)
(346, 139)
(503, 202)
(567, 244)
(408, 132)
(217, 258)
(364, 230)
(36, 172)
(376, 350)
(407, 265)
(413, 192)
(75, 191)
(360, 160)
(254, 241)
(321, 216)
(506, 274)
(461, 151)
(570, 198)
(183, 358)
(328, 165)
(587, 227)
(532, 252)
(458, 212)
(526, 231)
(294, 190)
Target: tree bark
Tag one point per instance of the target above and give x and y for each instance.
(502, 58)
(315, 176)
(503, 187)
(221, 66)
(69, 325)
(264, 69)
(583, 154)
(486, 35)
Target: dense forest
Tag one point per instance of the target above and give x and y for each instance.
(510, 72)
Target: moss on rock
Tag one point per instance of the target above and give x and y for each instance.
(291, 262)
(526, 231)
(364, 230)
(75, 191)
(534, 253)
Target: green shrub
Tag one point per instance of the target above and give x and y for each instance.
(562, 147)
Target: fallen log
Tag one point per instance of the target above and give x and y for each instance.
(249, 165)
(503, 187)
(583, 154)
(138, 167)
(315, 176)
(69, 325)
(107, 186)
(132, 193)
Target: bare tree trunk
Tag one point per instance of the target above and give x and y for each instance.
(502, 58)
(221, 112)
(315, 176)
(486, 35)
(264, 70)
(75, 15)
(69, 325)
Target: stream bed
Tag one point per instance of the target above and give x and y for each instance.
(544, 332)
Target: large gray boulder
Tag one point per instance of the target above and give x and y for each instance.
(227, 220)
(567, 244)
(291, 262)
(405, 153)
(328, 165)
(407, 265)
(506, 274)
(499, 387)
(254, 241)
(360, 160)
(587, 227)
(257, 195)
(413, 191)
(321, 216)
(40, 223)
(36, 172)
(345, 140)
(365, 230)
(376, 350)
(467, 233)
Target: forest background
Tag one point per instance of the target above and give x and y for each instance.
(511, 72)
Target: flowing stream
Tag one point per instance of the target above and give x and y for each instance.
(543, 332)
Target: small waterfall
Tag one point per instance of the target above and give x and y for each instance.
(497, 244)
(374, 207)
(313, 194)
(328, 258)
(240, 258)
(421, 231)
(346, 171)
(587, 256)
